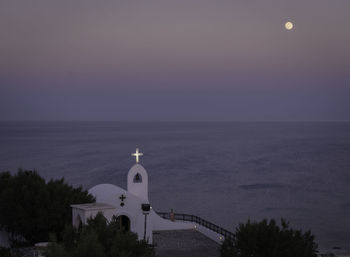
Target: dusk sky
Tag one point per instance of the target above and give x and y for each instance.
(175, 60)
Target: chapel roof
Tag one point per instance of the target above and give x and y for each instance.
(92, 206)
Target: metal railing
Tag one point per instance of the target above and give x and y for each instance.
(199, 221)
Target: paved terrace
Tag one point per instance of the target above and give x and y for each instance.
(184, 243)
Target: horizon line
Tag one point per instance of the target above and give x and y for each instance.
(184, 120)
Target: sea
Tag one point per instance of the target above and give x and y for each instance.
(224, 172)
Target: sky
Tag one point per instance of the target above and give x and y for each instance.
(191, 60)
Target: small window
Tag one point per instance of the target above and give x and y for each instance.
(137, 178)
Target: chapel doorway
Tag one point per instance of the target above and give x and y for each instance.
(123, 223)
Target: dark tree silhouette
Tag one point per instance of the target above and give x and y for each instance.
(32, 208)
(99, 239)
(267, 239)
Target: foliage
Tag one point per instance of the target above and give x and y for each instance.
(56, 250)
(4, 252)
(32, 208)
(267, 239)
(99, 239)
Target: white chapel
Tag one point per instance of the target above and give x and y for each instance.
(131, 207)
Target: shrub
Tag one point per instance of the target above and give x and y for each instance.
(267, 239)
(4, 252)
(99, 239)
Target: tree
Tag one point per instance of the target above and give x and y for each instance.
(4, 252)
(32, 208)
(99, 239)
(267, 239)
(89, 245)
(56, 250)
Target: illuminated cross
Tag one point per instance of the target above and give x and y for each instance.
(137, 154)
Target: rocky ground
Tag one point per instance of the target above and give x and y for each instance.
(184, 243)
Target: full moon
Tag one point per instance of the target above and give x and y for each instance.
(288, 25)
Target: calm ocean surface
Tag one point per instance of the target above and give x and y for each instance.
(222, 172)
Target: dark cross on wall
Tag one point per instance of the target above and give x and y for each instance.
(122, 198)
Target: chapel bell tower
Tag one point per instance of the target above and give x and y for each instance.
(138, 179)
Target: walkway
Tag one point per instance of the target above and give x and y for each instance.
(184, 243)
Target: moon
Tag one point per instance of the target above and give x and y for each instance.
(289, 25)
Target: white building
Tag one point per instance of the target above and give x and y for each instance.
(131, 206)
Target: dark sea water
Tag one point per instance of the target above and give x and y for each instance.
(222, 172)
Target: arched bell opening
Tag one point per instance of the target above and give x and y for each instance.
(137, 178)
